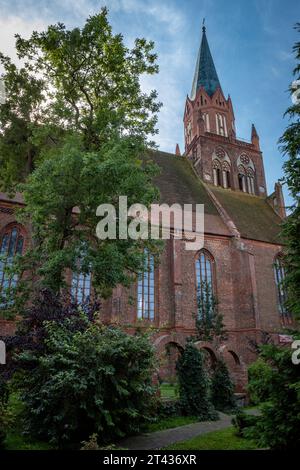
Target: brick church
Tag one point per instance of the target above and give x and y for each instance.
(241, 259)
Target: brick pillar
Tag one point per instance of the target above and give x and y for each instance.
(176, 278)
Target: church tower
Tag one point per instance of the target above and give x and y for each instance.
(218, 156)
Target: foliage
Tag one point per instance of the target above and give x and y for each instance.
(5, 415)
(194, 384)
(278, 426)
(85, 125)
(94, 380)
(169, 390)
(259, 374)
(242, 421)
(169, 408)
(222, 388)
(224, 439)
(290, 144)
(209, 322)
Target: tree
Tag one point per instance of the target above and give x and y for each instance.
(193, 384)
(87, 125)
(278, 425)
(209, 322)
(222, 388)
(290, 142)
(93, 379)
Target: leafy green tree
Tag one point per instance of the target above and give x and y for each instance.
(87, 125)
(259, 384)
(96, 379)
(21, 115)
(222, 388)
(290, 142)
(209, 322)
(193, 383)
(278, 426)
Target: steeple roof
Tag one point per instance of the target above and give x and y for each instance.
(205, 72)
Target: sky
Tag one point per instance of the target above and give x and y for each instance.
(250, 40)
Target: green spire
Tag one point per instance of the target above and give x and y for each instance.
(205, 72)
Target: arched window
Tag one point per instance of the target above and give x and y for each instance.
(279, 273)
(250, 181)
(217, 173)
(81, 287)
(11, 245)
(242, 178)
(226, 175)
(204, 284)
(145, 293)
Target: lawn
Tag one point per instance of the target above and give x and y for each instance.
(168, 391)
(15, 440)
(172, 422)
(225, 439)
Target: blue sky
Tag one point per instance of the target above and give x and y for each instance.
(251, 43)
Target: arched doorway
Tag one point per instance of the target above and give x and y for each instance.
(167, 361)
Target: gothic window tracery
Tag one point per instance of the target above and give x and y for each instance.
(279, 273)
(204, 266)
(242, 178)
(217, 172)
(146, 289)
(11, 245)
(246, 175)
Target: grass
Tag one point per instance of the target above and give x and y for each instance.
(15, 440)
(168, 391)
(224, 439)
(172, 422)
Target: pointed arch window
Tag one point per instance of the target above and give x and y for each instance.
(217, 173)
(250, 181)
(204, 284)
(146, 289)
(242, 178)
(81, 285)
(11, 245)
(279, 273)
(226, 175)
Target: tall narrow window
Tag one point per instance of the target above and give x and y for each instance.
(11, 245)
(250, 181)
(81, 287)
(242, 179)
(279, 273)
(217, 173)
(145, 297)
(226, 175)
(204, 283)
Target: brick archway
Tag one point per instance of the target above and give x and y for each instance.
(169, 348)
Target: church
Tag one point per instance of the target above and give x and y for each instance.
(241, 260)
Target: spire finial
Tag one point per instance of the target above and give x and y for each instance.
(203, 26)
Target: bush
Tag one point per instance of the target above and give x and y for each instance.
(194, 384)
(5, 416)
(278, 426)
(167, 409)
(96, 380)
(243, 422)
(259, 374)
(222, 388)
